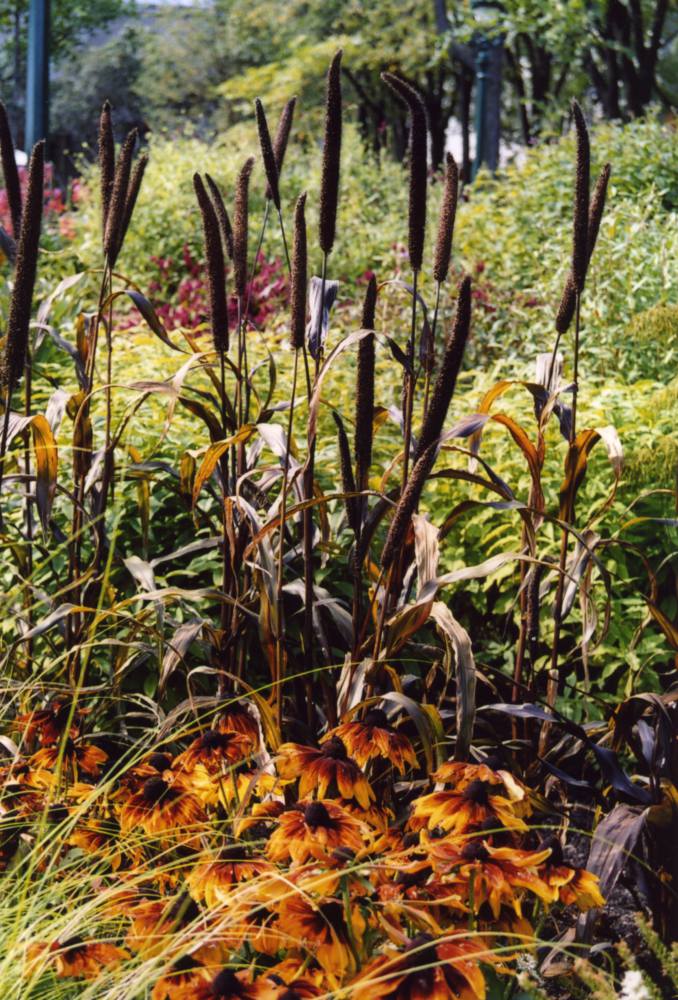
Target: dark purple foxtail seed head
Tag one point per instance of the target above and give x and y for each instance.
(18, 321)
(364, 406)
(10, 172)
(418, 165)
(567, 305)
(267, 154)
(132, 194)
(106, 144)
(115, 219)
(225, 228)
(282, 135)
(240, 227)
(299, 276)
(580, 253)
(329, 184)
(446, 381)
(407, 505)
(216, 277)
(448, 212)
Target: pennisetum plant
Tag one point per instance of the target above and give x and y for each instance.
(223, 218)
(273, 164)
(418, 166)
(10, 172)
(587, 215)
(240, 277)
(364, 435)
(446, 380)
(213, 231)
(120, 184)
(443, 252)
(327, 226)
(298, 285)
(16, 353)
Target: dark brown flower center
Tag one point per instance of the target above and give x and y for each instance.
(335, 749)
(154, 789)
(376, 717)
(232, 852)
(160, 761)
(226, 984)
(57, 814)
(73, 946)
(184, 964)
(477, 792)
(183, 909)
(420, 983)
(408, 879)
(556, 847)
(424, 952)
(333, 913)
(316, 814)
(475, 851)
(214, 740)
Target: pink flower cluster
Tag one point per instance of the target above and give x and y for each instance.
(54, 204)
(182, 288)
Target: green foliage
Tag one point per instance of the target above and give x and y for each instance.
(166, 218)
(184, 56)
(88, 78)
(502, 228)
(655, 333)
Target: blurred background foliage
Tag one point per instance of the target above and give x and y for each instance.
(197, 67)
(188, 75)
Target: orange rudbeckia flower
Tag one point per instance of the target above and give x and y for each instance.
(497, 872)
(328, 769)
(426, 970)
(237, 719)
(320, 928)
(227, 985)
(214, 876)
(215, 750)
(461, 774)
(160, 807)
(154, 921)
(49, 724)
(100, 837)
(372, 737)
(460, 811)
(184, 974)
(76, 958)
(314, 829)
(77, 757)
(570, 885)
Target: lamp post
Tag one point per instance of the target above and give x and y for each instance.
(37, 77)
(489, 51)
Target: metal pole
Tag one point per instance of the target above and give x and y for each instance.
(482, 62)
(37, 81)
